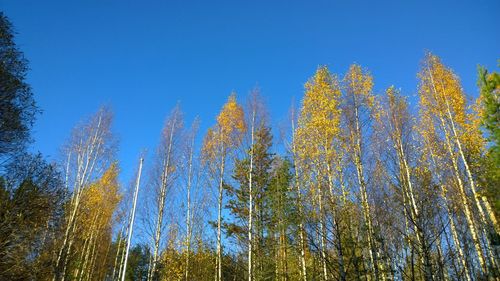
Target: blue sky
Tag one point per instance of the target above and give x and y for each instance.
(142, 57)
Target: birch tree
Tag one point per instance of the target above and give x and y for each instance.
(396, 127)
(95, 222)
(318, 138)
(443, 103)
(298, 180)
(358, 111)
(257, 120)
(219, 142)
(88, 152)
(164, 174)
(190, 181)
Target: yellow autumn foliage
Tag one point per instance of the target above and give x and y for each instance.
(100, 199)
(359, 84)
(440, 89)
(228, 132)
(442, 98)
(319, 119)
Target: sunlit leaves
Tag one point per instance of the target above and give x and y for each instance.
(99, 201)
(228, 131)
(319, 120)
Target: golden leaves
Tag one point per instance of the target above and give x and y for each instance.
(320, 114)
(471, 135)
(317, 136)
(443, 108)
(319, 119)
(359, 83)
(209, 150)
(228, 132)
(231, 122)
(102, 197)
(440, 90)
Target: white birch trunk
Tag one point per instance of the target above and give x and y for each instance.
(161, 200)
(132, 217)
(219, 218)
(299, 205)
(250, 201)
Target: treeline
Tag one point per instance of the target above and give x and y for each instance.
(358, 186)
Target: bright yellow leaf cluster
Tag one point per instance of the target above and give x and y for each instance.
(440, 89)
(443, 103)
(319, 120)
(101, 198)
(359, 84)
(228, 131)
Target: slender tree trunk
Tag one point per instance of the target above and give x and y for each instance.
(367, 218)
(491, 214)
(81, 259)
(132, 217)
(188, 210)
(66, 261)
(66, 240)
(462, 192)
(219, 217)
(364, 197)
(122, 261)
(86, 160)
(118, 243)
(454, 235)
(463, 197)
(468, 171)
(322, 235)
(250, 201)
(277, 255)
(302, 242)
(443, 273)
(92, 257)
(285, 256)
(453, 229)
(159, 224)
(336, 231)
(475, 195)
(161, 204)
(87, 249)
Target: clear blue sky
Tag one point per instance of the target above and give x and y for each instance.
(141, 57)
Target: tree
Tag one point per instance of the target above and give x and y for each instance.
(190, 182)
(298, 180)
(93, 227)
(283, 218)
(218, 143)
(318, 139)
(17, 106)
(89, 152)
(358, 111)
(137, 268)
(260, 157)
(164, 174)
(31, 211)
(399, 147)
(489, 85)
(255, 108)
(443, 105)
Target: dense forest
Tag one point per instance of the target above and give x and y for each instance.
(356, 185)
